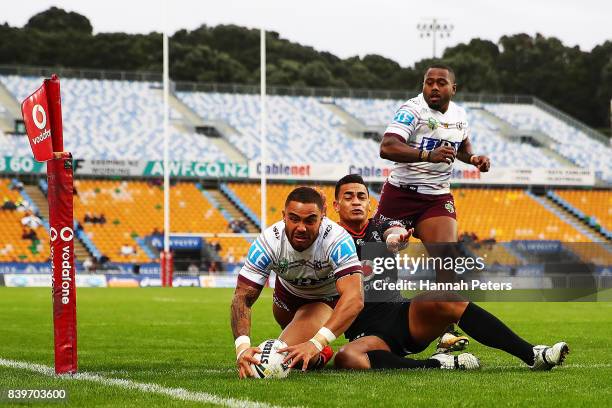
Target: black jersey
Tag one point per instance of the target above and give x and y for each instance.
(371, 245)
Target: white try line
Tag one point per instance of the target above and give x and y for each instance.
(177, 393)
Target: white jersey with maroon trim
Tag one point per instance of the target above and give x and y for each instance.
(309, 274)
(424, 128)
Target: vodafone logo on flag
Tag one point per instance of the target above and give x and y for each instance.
(38, 120)
(39, 123)
(66, 234)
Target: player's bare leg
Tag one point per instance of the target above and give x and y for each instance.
(304, 324)
(430, 314)
(437, 229)
(354, 354)
(307, 320)
(372, 352)
(439, 235)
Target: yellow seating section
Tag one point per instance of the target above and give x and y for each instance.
(496, 254)
(250, 195)
(135, 208)
(12, 247)
(504, 214)
(235, 248)
(131, 209)
(507, 214)
(597, 203)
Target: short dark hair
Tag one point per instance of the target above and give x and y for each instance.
(305, 195)
(348, 179)
(441, 66)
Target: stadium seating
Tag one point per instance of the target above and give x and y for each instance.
(496, 254)
(134, 209)
(570, 142)
(12, 247)
(106, 119)
(250, 195)
(489, 213)
(299, 129)
(484, 133)
(372, 112)
(592, 203)
(507, 215)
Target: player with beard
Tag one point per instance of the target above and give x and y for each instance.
(389, 327)
(318, 291)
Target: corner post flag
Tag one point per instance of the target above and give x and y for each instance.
(42, 115)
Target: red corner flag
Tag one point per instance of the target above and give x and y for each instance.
(42, 115)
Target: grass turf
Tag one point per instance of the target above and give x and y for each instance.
(181, 338)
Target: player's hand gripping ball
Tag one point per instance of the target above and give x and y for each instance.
(271, 361)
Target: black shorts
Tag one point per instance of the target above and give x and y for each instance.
(389, 321)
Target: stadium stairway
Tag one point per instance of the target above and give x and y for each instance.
(190, 120)
(353, 127)
(146, 248)
(602, 233)
(36, 196)
(227, 208)
(235, 200)
(510, 133)
(564, 216)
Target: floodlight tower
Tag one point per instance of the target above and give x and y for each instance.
(433, 28)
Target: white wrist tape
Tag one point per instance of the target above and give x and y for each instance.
(327, 334)
(242, 340)
(317, 344)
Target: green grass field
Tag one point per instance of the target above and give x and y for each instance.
(180, 338)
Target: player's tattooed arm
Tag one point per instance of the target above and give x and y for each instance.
(244, 297)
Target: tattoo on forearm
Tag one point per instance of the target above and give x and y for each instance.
(241, 310)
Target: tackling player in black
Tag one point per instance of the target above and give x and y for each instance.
(389, 327)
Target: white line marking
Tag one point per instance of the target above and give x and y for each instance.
(177, 393)
(561, 367)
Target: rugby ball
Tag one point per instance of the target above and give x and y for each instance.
(271, 361)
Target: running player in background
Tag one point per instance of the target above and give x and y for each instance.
(390, 326)
(426, 135)
(318, 291)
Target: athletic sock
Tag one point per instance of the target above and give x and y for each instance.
(490, 331)
(380, 359)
